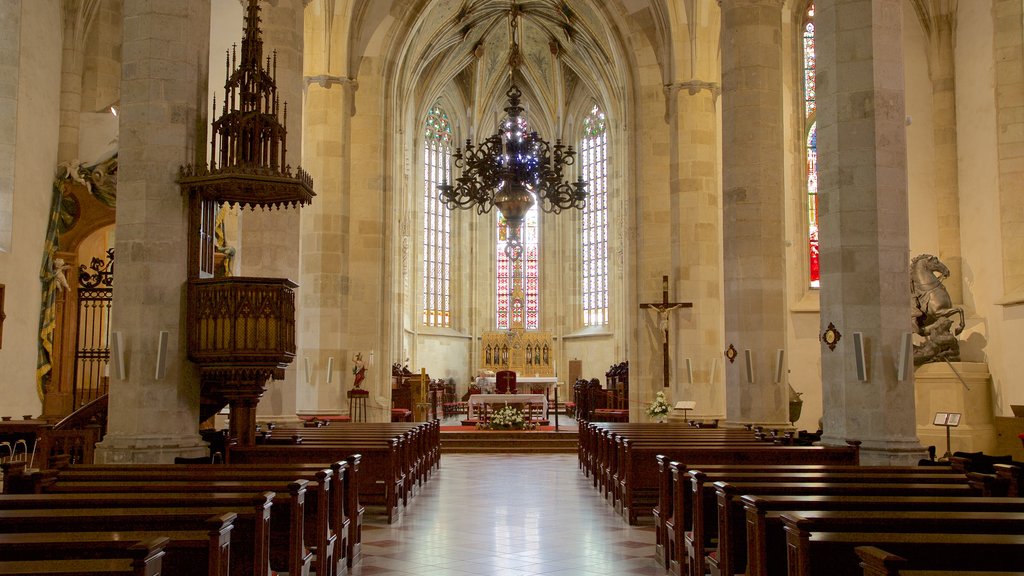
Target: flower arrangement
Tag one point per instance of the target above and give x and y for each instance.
(659, 408)
(507, 418)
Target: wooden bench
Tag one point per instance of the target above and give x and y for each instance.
(704, 522)
(765, 536)
(750, 525)
(812, 549)
(188, 552)
(215, 524)
(288, 550)
(877, 562)
(142, 559)
(250, 537)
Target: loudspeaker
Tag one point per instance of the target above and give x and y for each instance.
(749, 357)
(307, 369)
(780, 356)
(689, 371)
(905, 364)
(714, 371)
(161, 355)
(330, 369)
(116, 361)
(858, 356)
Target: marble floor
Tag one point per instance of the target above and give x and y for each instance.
(507, 515)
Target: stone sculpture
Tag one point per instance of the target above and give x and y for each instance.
(933, 312)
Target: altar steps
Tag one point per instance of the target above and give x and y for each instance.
(509, 441)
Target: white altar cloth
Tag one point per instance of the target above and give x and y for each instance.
(481, 399)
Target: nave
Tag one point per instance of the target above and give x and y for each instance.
(507, 515)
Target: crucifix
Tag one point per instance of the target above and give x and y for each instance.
(663, 308)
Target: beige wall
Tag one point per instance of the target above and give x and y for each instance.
(37, 94)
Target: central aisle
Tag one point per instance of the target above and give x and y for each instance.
(505, 515)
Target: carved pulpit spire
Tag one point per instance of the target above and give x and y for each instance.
(241, 330)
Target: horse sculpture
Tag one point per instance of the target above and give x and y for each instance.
(933, 311)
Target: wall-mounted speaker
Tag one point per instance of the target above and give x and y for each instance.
(306, 361)
(859, 358)
(714, 371)
(330, 369)
(161, 355)
(749, 357)
(117, 370)
(905, 363)
(689, 371)
(780, 357)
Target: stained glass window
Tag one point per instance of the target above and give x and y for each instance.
(510, 313)
(437, 148)
(810, 109)
(594, 220)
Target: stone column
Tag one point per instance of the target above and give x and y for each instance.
(10, 45)
(324, 225)
(693, 182)
(270, 238)
(947, 191)
(78, 17)
(864, 225)
(753, 201)
(1009, 59)
(162, 126)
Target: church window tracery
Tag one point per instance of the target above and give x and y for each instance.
(510, 312)
(437, 150)
(594, 220)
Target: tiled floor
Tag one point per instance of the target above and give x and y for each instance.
(505, 515)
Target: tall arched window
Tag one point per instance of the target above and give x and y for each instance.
(437, 149)
(507, 315)
(811, 145)
(594, 219)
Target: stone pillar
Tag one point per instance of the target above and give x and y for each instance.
(753, 201)
(10, 44)
(947, 190)
(270, 238)
(864, 226)
(162, 126)
(324, 269)
(78, 17)
(693, 182)
(1009, 59)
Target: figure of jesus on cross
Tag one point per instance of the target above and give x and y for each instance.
(663, 308)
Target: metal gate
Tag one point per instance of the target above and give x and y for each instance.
(92, 348)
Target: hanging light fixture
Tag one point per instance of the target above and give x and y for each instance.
(513, 169)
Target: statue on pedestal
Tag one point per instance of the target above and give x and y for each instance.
(933, 311)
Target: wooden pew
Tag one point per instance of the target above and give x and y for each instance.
(931, 540)
(346, 511)
(877, 562)
(250, 537)
(766, 540)
(640, 485)
(214, 524)
(704, 520)
(670, 489)
(188, 552)
(288, 549)
(143, 559)
(322, 527)
(750, 525)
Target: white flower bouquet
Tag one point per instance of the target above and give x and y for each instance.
(507, 418)
(659, 408)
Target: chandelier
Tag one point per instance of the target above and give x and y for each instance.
(513, 169)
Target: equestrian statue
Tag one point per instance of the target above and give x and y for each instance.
(933, 312)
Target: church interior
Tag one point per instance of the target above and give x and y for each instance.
(802, 216)
(762, 180)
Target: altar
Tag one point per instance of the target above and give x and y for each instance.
(487, 384)
(478, 400)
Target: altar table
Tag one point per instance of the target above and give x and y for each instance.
(487, 383)
(480, 399)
